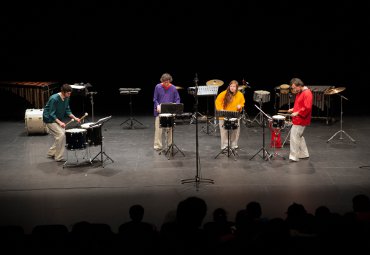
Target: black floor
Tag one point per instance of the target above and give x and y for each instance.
(37, 190)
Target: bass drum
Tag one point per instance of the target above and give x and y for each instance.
(34, 122)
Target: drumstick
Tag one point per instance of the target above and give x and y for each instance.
(283, 110)
(69, 122)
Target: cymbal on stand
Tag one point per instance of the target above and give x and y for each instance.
(178, 87)
(334, 91)
(215, 82)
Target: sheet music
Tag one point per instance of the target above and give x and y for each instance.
(207, 90)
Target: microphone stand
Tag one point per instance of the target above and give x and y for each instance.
(197, 179)
(92, 103)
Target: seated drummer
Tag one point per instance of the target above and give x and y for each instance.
(230, 100)
(164, 92)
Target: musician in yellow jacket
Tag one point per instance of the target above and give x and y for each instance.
(230, 99)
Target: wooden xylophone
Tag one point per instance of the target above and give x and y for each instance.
(35, 92)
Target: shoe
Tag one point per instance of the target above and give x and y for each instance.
(305, 158)
(60, 160)
(157, 148)
(223, 147)
(235, 147)
(50, 156)
(292, 160)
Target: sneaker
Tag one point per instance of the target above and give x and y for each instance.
(60, 160)
(157, 148)
(50, 156)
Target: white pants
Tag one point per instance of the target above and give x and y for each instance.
(298, 147)
(234, 135)
(57, 149)
(158, 135)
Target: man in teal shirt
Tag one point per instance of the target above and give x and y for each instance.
(55, 111)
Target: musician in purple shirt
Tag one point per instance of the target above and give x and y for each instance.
(164, 92)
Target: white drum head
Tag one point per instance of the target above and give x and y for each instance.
(87, 125)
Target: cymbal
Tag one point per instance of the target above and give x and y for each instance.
(242, 87)
(215, 83)
(178, 87)
(335, 91)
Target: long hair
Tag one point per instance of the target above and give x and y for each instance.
(229, 95)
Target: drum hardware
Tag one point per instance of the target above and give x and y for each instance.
(167, 120)
(260, 96)
(276, 125)
(131, 121)
(265, 154)
(341, 131)
(229, 124)
(34, 122)
(197, 179)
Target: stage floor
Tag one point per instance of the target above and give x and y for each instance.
(37, 190)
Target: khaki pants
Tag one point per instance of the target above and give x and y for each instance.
(57, 149)
(234, 135)
(158, 135)
(298, 147)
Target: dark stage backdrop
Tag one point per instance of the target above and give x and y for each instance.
(130, 44)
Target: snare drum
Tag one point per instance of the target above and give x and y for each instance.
(278, 121)
(231, 123)
(166, 120)
(76, 139)
(284, 89)
(94, 134)
(261, 96)
(34, 122)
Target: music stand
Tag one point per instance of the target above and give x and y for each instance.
(131, 121)
(208, 90)
(341, 131)
(228, 126)
(173, 109)
(265, 154)
(197, 179)
(102, 153)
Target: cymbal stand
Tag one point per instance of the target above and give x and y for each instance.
(230, 151)
(92, 103)
(341, 131)
(131, 121)
(170, 151)
(197, 179)
(265, 154)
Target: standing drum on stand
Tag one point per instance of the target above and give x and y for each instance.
(93, 133)
(260, 96)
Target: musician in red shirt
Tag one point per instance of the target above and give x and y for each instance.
(301, 118)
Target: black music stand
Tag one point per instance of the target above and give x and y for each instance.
(102, 152)
(228, 126)
(173, 109)
(265, 154)
(197, 179)
(341, 131)
(131, 121)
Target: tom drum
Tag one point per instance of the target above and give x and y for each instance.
(34, 122)
(93, 133)
(166, 120)
(76, 139)
(278, 121)
(231, 123)
(261, 96)
(284, 89)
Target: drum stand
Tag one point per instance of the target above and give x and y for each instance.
(245, 118)
(170, 150)
(341, 131)
(86, 155)
(275, 154)
(230, 151)
(259, 116)
(131, 121)
(265, 154)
